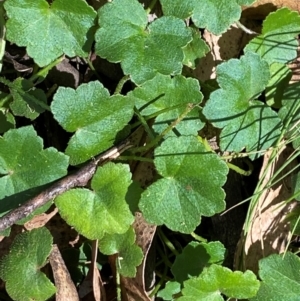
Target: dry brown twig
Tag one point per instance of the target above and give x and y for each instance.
(79, 178)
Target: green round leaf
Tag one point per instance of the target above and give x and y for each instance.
(21, 267)
(103, 210)
(246, 123)
(24, 164)
(129, 254)
(93, 115)
(143, 51)
(190, 187)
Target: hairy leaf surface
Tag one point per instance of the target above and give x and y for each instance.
(129, 254)
(216, 280)
(142, 50)
(163, 93)
(21, 267)
(103, 210)
(94, 116)
(188, 189)
(280, 281)
(50, 31)
(245, 122)
(195, 257)
(24, 164)
(214, 15)
(278, 42)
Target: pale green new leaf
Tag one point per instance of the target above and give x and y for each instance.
(195, 50)
(143, 50)
(94, 116)
(171, 288)
(28, 101)
(190, 187)
(195, 257)
(245, 122)
(129, 254)
(50, 31)
(24, 164)
(278, 42)
(103, 210)
(245, 2)
(216, 280)
(163, 93)
(280, 278)
(214, 15)
(21, 267)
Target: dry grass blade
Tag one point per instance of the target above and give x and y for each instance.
(269, 231)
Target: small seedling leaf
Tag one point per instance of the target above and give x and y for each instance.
(21, 267)
(129, 254)
(103, 210)
(50, 31)
(186, 190)
(94, 116)
(216, 280)
(195, 257)
(24, 164)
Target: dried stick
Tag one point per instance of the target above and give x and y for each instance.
(80, 178)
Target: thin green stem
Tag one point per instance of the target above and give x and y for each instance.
(239, 170)
(167, 130)
(151, 6)
(144, 123)
(134, 158)
(151, 116)
(121, 83)
(118, 280)
(197, 237)
(90, 64)
(167, 242)
(42, 73)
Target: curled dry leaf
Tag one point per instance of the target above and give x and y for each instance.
(40, 220)
(65, 287)
(269, 231)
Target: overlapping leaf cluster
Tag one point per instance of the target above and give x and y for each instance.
(190, 176)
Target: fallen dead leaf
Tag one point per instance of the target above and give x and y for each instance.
(40, 220)
(65, 287)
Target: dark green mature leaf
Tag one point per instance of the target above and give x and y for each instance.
(129, 254)
(103, 210)
(290, 112)
(216, 280)
(7, 121)
(194, 257)
(190, 187)
(280, 278)
(278, 42)
(28, 101)
(164, 92)
(24, 164)
(214, 15)
(50, 31)
(93, 115)
(21, 267)
(143, 51)
(246, 123)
